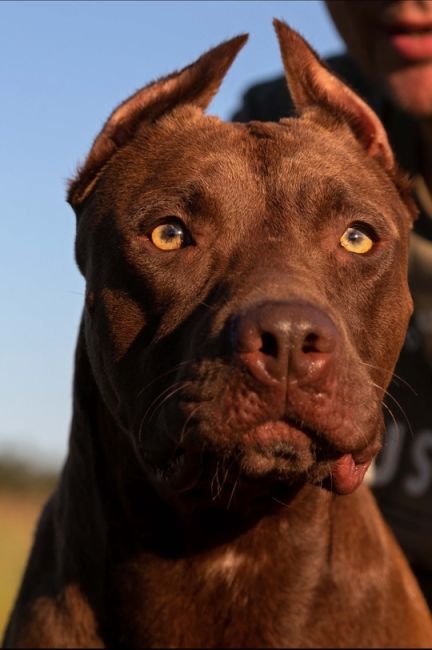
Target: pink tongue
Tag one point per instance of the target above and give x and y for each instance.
(346, 476)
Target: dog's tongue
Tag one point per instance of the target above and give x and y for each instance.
(347, 475)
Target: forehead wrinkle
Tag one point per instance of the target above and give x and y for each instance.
(310, 193)
(262, 152)
(228, 181)
(219, 185)
(232, 171)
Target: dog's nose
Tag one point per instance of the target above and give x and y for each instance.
(281, 341)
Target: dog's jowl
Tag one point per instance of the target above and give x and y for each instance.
(246, 301)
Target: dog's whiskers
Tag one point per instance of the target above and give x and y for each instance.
(397, 403)
(215, 478)
(161, 396)
(188, 419)
(285, 505)
(395, 375)
(175, 390)
(395, 422)
(163, 374)
(225, 478)
(157, 404)
(232, 492)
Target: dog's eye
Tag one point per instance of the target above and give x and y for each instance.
(168, 236)
(356, 241)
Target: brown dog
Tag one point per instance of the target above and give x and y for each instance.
(246, 303)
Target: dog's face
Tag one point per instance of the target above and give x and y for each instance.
(246, 295)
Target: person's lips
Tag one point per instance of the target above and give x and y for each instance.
(411, 39)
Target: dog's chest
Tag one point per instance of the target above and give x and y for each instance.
(226, 598)
(200, 604)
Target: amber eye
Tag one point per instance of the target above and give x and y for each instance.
(356, 241)
(168, 236)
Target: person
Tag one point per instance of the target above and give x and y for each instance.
(389, 63)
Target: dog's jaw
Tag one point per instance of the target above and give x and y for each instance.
(217, 458)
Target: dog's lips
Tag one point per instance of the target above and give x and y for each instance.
(347, 474)
(272, 433)
(291, 447)
(276, 447)
(274, 451)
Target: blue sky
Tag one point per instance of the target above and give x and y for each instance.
(63, 68)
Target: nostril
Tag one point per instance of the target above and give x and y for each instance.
(269, 345)
(310, 343)
(284, 342)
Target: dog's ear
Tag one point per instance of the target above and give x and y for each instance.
(195, 84)
(312, 85)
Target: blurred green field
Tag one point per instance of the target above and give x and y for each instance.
(22, 496)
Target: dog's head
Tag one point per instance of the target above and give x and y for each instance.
(247, 289)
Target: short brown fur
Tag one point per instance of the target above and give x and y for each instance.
(227, 395)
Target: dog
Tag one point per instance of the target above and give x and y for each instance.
(246, 302)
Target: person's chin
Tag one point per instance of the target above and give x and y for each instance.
(410, 88)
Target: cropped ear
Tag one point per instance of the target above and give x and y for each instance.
(311, 84)
(195, 84)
